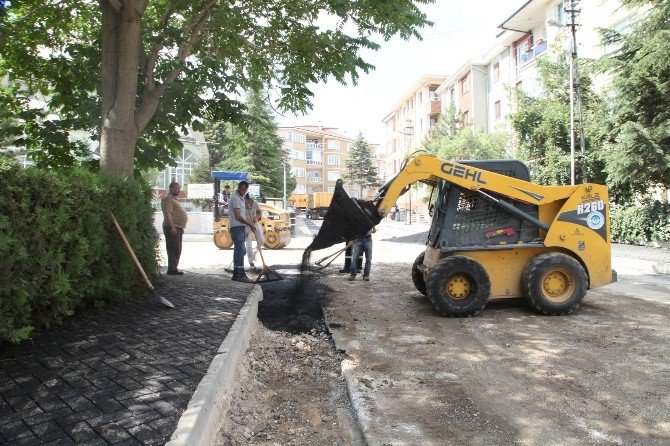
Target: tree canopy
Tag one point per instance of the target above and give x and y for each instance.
(132, 73)
(636, 139)
(542, 123)
(253, 147)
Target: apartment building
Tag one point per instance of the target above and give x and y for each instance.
(482, 91)
(411, 120)
(318, 156)
(466, 92)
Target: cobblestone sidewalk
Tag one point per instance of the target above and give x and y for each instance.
(121, 376)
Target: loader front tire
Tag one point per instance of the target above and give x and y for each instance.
(554, 283)
(458, 287)
(417, 276)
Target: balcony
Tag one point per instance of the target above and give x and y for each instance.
(314, 162)
(314, 146)
(434, 106)
(315, 179)
(528, 56)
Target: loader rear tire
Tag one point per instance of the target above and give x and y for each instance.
(417, 276)
(554, 283)
(458, 287)
(222, 239)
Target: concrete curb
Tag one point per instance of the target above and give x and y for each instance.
(633, 266)
(202, 419)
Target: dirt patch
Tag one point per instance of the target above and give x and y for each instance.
(289, 386)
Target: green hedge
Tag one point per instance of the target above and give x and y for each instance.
(59, 251)
(640, 224)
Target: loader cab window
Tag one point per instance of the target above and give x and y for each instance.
(438, 212)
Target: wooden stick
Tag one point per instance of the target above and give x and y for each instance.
(130, 250)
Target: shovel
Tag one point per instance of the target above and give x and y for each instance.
(163, 300)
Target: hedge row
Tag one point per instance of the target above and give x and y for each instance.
(59, 251)
(641, 224)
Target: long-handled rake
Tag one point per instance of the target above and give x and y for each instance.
(163, 300)
(270, 274)
(332, 256)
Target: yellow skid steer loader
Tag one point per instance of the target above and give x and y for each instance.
(494, 234)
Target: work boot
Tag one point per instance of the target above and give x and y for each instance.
(366, 278)
(175, 273)
(244, 279)
(352, 276)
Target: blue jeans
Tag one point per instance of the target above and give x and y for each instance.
(362, 245)
(237, 234)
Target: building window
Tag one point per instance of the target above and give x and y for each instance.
(333, 175)
(186, 161)
(496, 72)
(497, 111)
(299, 172)
(464, 85)
(559, 12)
(466, 118)
(298, 155)
(333, 144)
(300, 189)
(331, 190)
(420, 96)
(333, 160)
(452, 95)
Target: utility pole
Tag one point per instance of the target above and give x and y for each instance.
(572, 11)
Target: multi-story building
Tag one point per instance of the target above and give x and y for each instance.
(466, 92)
(318, 156)
(411, 120)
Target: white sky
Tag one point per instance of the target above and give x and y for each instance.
(461, 31)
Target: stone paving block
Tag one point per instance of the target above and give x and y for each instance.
(48, 431)
(113, 433)
(81, 432)
(133, 365)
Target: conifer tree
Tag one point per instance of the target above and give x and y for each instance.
(361, 170)
(255, 147)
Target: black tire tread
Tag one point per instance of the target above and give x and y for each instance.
(533, 269)
(417, 276)
(454, 264)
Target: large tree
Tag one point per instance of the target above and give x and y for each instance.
(133, 72)
(542, 123)
(253, 147)
(450, 140)
(636, 136)
(361, 170)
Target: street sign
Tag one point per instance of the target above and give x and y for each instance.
(254, 190)
(200, 190)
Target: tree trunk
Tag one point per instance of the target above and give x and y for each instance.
(120, 70)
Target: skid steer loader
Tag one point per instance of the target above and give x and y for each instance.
(493, 234)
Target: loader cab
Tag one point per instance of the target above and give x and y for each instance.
(463, 218)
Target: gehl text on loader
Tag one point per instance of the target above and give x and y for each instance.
(494, 234)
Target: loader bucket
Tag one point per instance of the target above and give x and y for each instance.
(346, 219)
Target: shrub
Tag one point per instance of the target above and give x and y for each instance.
(59, 250)
(640, 224)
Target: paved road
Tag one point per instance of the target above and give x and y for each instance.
(123, 375)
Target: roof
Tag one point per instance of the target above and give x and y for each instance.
(333, 132)
(424, 79)
(226, 175)
(528, 16)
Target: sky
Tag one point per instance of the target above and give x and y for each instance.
(461, 31)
